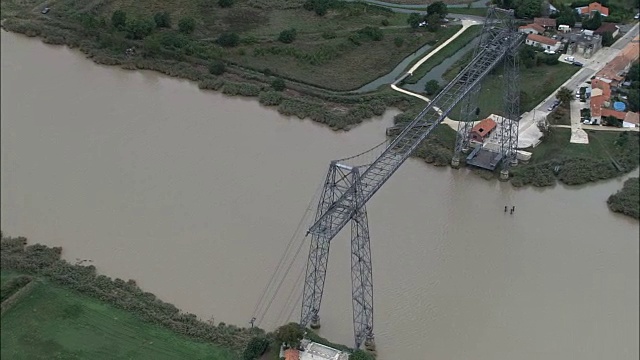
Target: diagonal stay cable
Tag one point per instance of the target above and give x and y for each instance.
(259, 304)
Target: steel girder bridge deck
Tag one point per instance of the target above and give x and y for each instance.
(351, 182)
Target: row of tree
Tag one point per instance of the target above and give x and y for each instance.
(436, 12)
(138, 28)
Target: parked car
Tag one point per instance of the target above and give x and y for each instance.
(45, 10)
(637, 16)
(569, 59)
(577, 63)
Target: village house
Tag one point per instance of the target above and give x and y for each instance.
(531, 29)
(544, 42)
(309, 350)
(631, 119)
(592, 8)
(482, 130)
(584, 43)
(608, 27)
(546, 23)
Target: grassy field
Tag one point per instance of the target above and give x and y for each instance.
(536, 84)
(54, 323)
(329, 51)
(449, 50)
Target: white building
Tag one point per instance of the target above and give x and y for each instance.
(543, 42)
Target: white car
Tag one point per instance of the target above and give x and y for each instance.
(570, 59)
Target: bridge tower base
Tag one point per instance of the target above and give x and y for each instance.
(504, 175)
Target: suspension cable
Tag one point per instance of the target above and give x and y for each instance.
(266, 289)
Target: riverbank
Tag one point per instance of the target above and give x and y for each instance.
(46, 308)
(239, 50)
(627, 200)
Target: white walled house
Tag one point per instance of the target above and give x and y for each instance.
(543, 42)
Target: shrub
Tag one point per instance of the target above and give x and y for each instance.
(241, 89)
(139, 28)
(372, 33)
(119, 19)
(162, 19)
(228, 39)
(278, 84)
(225, 3)
(287, 36)
(270, 98)
(187, 25)
(385, 22)
(627, 200)
(398, 41)
(431, 87)
(256, 347)
(217, 67)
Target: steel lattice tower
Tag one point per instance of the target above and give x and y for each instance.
(498, 21)
(351, 182)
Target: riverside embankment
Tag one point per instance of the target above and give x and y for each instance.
(194, 195)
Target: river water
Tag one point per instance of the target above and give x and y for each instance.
(195, 195)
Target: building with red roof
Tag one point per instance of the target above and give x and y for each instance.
(592, 8)
(482, 130)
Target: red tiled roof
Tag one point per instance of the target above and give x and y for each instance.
(594, 6)
(534, 26)
(604, 86)
(542, 39)
(292, 354)
(596, 105)
(546, 22)
(484, 126)
(617, 114)
(632, 117)
(606, 27)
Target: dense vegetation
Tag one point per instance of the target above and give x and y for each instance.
(627, 200)
(608, 155)
(52, 322)
(40, 260)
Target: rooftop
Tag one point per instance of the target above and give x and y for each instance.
(594, 6)
(315, 351)
(606, 27)
(484, 126)
(546, 22)
(534, 26)
(542, 39)
(632, 117)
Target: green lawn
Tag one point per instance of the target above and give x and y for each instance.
(449, 50)
(536, 84)
(54, 323)
(468, 11)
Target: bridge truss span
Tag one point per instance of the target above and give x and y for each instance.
(351, 182)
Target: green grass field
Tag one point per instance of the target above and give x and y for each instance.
(536, 84)
(328, 51)
(54, 323)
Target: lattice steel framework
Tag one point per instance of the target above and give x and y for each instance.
(498, 21)
(348, 188)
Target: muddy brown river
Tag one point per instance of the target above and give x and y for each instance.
(195, 195)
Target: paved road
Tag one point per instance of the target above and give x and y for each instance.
(529, 133)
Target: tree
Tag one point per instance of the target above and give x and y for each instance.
(119, 19)
(290, 334)
(594, 22)
(607, 39)
(228, 39)
(634, 72)
(564, 95)
(431, 87)
(278, 84)
(287, 36)
(528, 56)
(187, 25)
(634, 100)
(527, 9)
(217, 67)
(256, 347)
(225, 3)
(566, 16)
(439, 8)
(162, 19)
(433, 22)
(360, 355)
(414, 20)
(139, 28)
